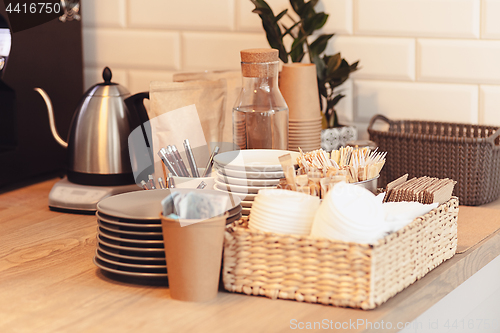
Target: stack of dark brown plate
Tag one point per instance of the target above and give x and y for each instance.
(129, 233)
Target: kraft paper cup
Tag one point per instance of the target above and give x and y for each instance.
(299, 86)
(193, 253)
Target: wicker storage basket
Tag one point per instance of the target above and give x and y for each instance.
(319, 270)
(468, 154)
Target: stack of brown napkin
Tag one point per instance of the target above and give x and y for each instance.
(425, 190)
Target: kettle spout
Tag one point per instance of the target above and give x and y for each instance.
(52, 123)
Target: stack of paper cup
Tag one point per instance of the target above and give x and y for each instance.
(240, 133)
(299, 87)
(283, 212)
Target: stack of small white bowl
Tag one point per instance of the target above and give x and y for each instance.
(283, 211)
(245, 172)
(299, 87)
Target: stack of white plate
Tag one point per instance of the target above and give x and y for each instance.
(284, 212)
(129, 234)
(245, 172)
(305, 134)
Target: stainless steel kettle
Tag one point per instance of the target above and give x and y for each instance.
(97, 145)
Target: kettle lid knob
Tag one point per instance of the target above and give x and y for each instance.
(107, 75)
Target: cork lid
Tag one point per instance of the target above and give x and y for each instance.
(259, 55)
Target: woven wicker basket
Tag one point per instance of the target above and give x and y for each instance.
(469, 154)
(319, 270)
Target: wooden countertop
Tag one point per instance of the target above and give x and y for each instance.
(48, 283)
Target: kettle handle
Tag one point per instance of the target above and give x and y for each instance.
(52, 122)
(136, 103)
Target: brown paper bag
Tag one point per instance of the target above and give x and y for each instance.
(233, 88)
(172, 128)
(208, 96)
(199, 116)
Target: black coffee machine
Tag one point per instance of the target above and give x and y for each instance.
(50, 56)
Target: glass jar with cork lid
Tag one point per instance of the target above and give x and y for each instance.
(260, 114)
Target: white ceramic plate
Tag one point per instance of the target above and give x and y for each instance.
(144, 205)
(254, 160)
(241, 188)
(245, 181)
(246, 204)
(250, 174)
(242, 196)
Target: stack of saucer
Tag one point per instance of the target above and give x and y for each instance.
(305, 134)
(283, 211)
(245, 172)
(129, 234)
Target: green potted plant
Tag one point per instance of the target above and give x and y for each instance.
(332, 70)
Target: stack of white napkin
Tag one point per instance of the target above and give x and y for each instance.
(351, 213)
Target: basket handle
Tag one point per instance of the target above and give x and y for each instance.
(378, 117)
(493, 137)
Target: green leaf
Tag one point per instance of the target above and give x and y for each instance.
(322, 90)
(271, 27)
(333, 63)
(314, 22)
(288, 31)
(297, 52)
(261, 4)
(296, 5)
(354, 66)
(307, 9)
(320, 68)
(335, 100)
(319, 45)
(280, 15)
(298, 42)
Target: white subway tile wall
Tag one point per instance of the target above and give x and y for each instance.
(419, 59)
(380, 57)
(418, 18)
(490, 24)
(489, 100)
